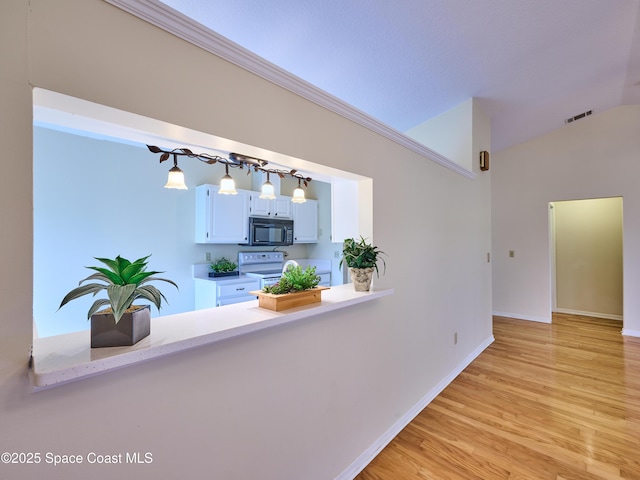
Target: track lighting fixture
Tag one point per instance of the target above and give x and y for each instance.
(235, 160)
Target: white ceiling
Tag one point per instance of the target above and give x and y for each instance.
(532, 63)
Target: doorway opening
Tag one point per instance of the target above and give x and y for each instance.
(587, 257)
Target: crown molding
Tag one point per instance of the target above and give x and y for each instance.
(174, 22)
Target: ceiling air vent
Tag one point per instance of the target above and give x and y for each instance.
(578, 117)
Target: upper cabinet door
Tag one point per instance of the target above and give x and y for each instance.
(259, 207)
(221, 218)
(282, 206)
(305, 222)
(278, 208)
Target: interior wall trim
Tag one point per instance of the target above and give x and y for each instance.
(174, 22)
(518, 316)
(608, 316)
(630, 333)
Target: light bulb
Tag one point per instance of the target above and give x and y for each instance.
(298, 195)
(267, 192)
(175, 179)
(227, 186)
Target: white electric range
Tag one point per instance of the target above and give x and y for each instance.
(267, 266)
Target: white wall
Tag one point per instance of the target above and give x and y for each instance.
(327, 247)
(593, 158)
(450, 134)
(301, 401)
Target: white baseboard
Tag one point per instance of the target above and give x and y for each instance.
(523, 317)
(589, 314)
(370, 453)
(630, 333)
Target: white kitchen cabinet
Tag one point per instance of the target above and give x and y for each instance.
(280, 207)
(221, 218)
(322, 266)
(305, 222)
(215, 293)
(325, 279)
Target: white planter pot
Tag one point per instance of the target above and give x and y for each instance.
(361, 278)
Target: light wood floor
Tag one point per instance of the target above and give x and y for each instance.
(559, 401)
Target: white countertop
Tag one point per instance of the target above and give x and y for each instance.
(201, 270)
(65, 358)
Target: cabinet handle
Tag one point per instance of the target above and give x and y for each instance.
(239, 289)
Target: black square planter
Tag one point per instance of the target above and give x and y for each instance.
(235, 273)
(132, 327)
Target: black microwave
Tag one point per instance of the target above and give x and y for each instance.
(268, 232)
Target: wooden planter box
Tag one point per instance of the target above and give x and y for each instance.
(288, 300)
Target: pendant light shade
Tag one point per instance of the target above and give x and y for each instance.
(176, 177)
(227, 185)
(267, 191)
(298, 194)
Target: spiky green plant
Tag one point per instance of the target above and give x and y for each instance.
(360, 254)
(124, 281)
(223, 265)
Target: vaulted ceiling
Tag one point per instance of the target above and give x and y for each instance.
(531, 63)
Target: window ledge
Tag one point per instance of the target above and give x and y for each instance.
(65, 358)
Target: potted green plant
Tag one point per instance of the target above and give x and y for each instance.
(122, 323)
(362, 260)
(294, 279)
(223, 267)
(296, 287)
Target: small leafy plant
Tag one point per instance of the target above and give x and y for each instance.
(124, 281)
(294, 279)
(360, 254)
(223, 265)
